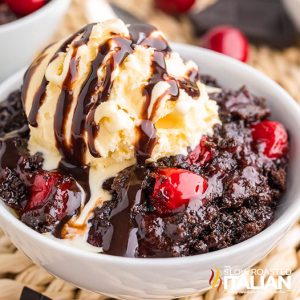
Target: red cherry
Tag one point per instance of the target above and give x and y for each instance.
(174, 6)
(43, 185)
(227, 40)
(201, 154)
(25, 7)
(272, 137)
(52, 197)
(176, 187)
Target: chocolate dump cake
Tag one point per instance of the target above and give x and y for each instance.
(217, 193)
(241, 180)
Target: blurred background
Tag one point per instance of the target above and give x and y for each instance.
(270, 26)
(263, 33)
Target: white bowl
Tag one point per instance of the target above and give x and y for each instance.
(293, 9)
(22, 39)
(132, 278)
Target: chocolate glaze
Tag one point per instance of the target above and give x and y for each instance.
(83, 106)
(65, 100)
(123, 48)
(39, 96)
(85, 37)
(122, 240)
(59, 228)
(63, 106)
(84, 119)
(93, 92)
(27, 77)
(80, 174)
(9, 156)
(38, 100)
(30, 71)
(189, 83)
(148, 36)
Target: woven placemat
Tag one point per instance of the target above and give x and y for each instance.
(17, 271)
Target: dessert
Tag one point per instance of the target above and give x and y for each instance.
(123, 148)
(11, 10)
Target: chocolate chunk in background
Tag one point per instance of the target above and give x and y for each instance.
(263, 21)
(28, 294)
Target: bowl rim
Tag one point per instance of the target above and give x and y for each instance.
(284, 221)
(38, 14)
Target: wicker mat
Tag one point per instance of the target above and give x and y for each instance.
(17, 270)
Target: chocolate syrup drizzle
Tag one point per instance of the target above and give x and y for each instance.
(65, 99)
(119, 48)
(40, 94)
(123, 240)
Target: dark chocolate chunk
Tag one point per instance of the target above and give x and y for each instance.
(28, 294)
(263, 21)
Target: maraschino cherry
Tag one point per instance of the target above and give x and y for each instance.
(202, 153)
(272, 137)
(227, 40)
(174, 6)
(25, 7)
(176, 187)
(50, 193)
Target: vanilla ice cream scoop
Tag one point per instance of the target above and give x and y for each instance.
(103, 91)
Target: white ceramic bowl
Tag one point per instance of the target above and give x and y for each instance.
(131, 278)
(293, 9)
(22, 39)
